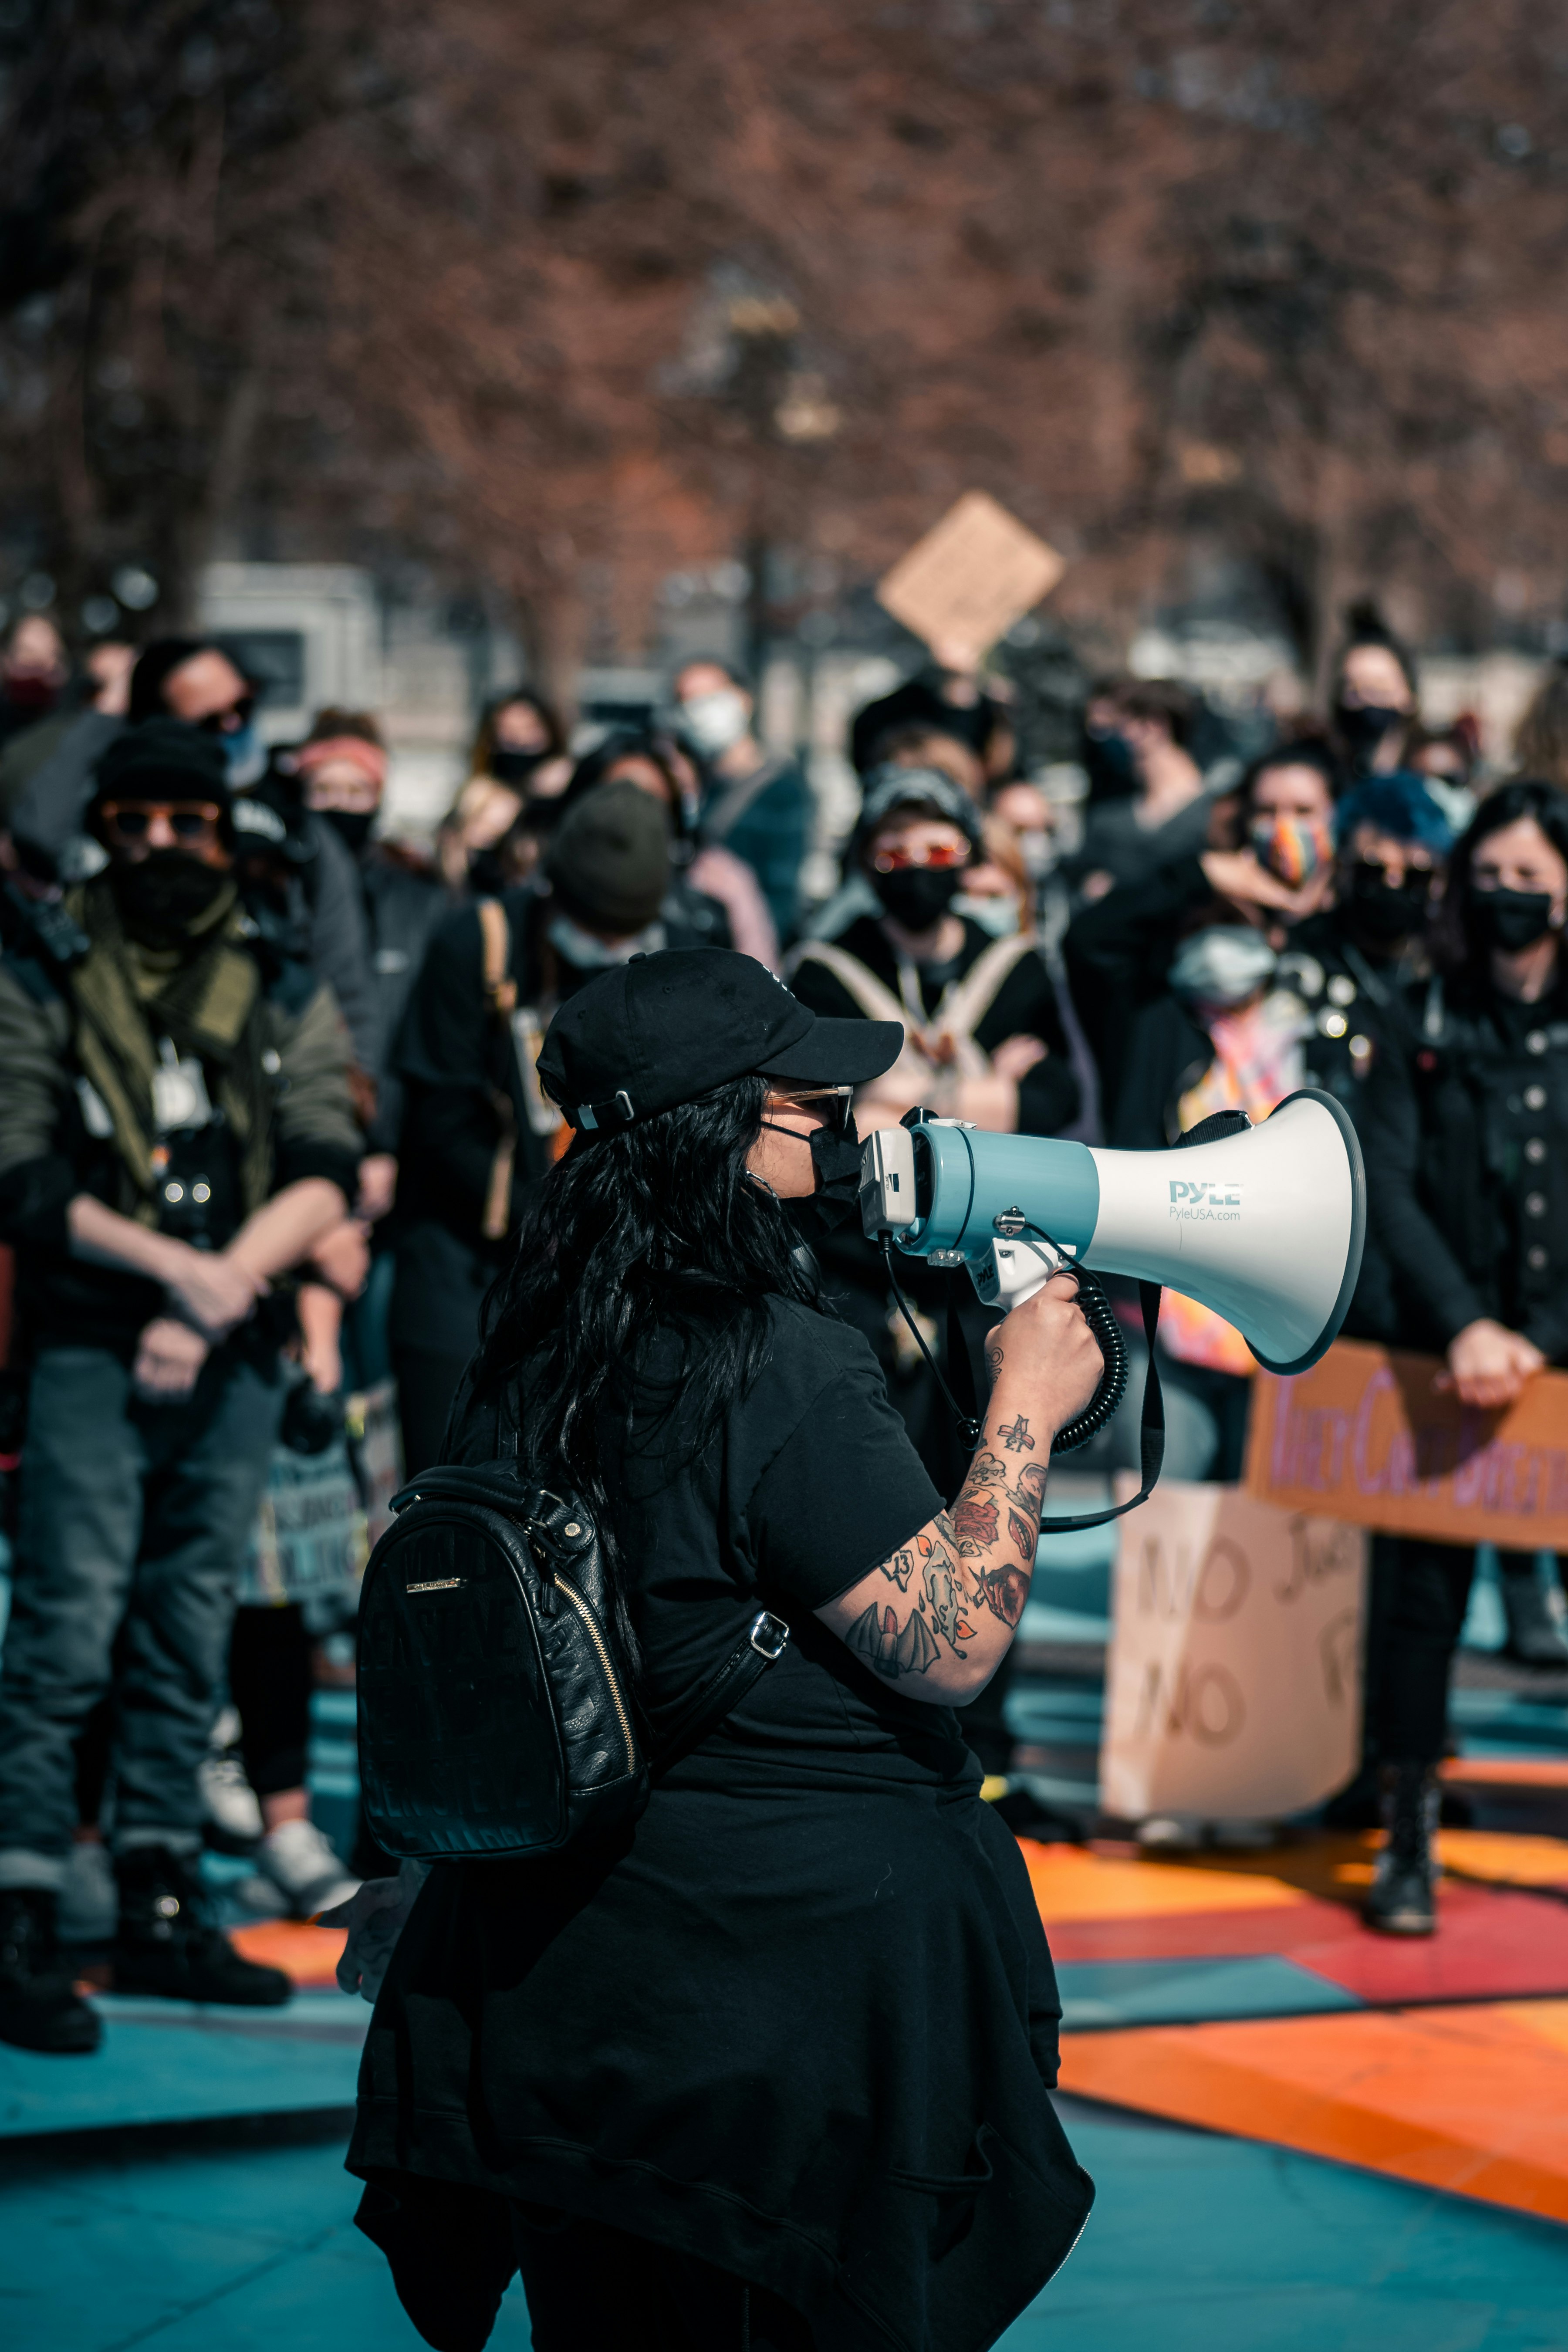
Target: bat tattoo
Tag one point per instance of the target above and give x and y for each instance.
(877, 1639)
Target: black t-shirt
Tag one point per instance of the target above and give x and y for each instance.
(809, 1482)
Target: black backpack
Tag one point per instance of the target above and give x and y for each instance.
(496, 1718)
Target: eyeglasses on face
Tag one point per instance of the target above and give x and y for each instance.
(130, 821)
(944, 856)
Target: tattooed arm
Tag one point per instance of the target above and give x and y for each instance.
(938, 1617)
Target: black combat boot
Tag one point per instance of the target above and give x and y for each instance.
(166, 1944)
(1402, 1901)
(40, 2008)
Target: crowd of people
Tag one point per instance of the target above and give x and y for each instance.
(270, 1119)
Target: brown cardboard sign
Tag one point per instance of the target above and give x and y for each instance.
(1367, 1436)
(968, 579)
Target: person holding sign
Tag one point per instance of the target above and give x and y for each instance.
(1466, 1137)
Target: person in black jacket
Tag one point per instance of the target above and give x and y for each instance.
(476, 1132)
(1466, 1137)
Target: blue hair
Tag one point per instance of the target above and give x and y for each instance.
(1398, 803)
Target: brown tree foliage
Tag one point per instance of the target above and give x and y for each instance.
(559, 294)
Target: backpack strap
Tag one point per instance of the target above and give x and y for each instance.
(501, 992)
(763, 1643)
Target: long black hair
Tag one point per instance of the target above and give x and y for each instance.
(1454, 947)
(654, 1229)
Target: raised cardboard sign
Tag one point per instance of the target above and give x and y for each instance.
(968, 579)
(1233, 1684)
(1367, 1436)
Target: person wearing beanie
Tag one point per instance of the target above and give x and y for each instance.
(176, 1134)
(477, 1132)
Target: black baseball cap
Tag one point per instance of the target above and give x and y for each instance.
(664, 1028)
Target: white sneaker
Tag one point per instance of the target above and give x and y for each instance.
(297, 1862)
(233, 1815)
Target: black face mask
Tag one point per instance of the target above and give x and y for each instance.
(162, 895)
(836, 1157)
(1508, 920)
(351, 825)
(515, 767)
(1108, 764)
(1362, 725)
(1383, 912)
(918, 896)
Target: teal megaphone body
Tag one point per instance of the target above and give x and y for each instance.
(1265, 1224)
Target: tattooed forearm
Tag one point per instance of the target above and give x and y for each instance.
(994, 1357)
(964, 1562)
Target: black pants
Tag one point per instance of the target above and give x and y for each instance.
(269, 1683)
(1420, 1593)
(454, 2251)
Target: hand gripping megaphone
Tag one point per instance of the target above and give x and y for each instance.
(1265, 1224)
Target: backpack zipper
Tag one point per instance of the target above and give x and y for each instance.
(603, 1648)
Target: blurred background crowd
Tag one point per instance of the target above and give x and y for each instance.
(447, 471)
(271, 1113)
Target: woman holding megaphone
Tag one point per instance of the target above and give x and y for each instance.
(770, 2067)
(1465, 1139)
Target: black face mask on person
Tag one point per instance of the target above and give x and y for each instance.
(351, 825)
(1108, 762)
(164, 894)
(1510, 921)
(1362, 725)
(836, 1157)
(1385, 912)
(916, 896)
(515, 768)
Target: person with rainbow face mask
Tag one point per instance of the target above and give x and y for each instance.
(1233, 975)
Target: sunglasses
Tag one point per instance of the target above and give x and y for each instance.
(940, 855)
(836, 1100)
(228, 721)
(130, 821)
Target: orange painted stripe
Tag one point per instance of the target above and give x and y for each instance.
(1508, 1771)
(1069, 1883)
(1473, 2101)
(309, 1955)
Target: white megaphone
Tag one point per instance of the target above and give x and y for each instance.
(1263, 1223)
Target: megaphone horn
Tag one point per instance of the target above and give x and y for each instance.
(1265, 1225)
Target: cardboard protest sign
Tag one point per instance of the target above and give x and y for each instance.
(1233, 1684)
(968, 579)
(1367, 1436)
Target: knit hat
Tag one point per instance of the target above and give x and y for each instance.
(163, 760)
(609, 862)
